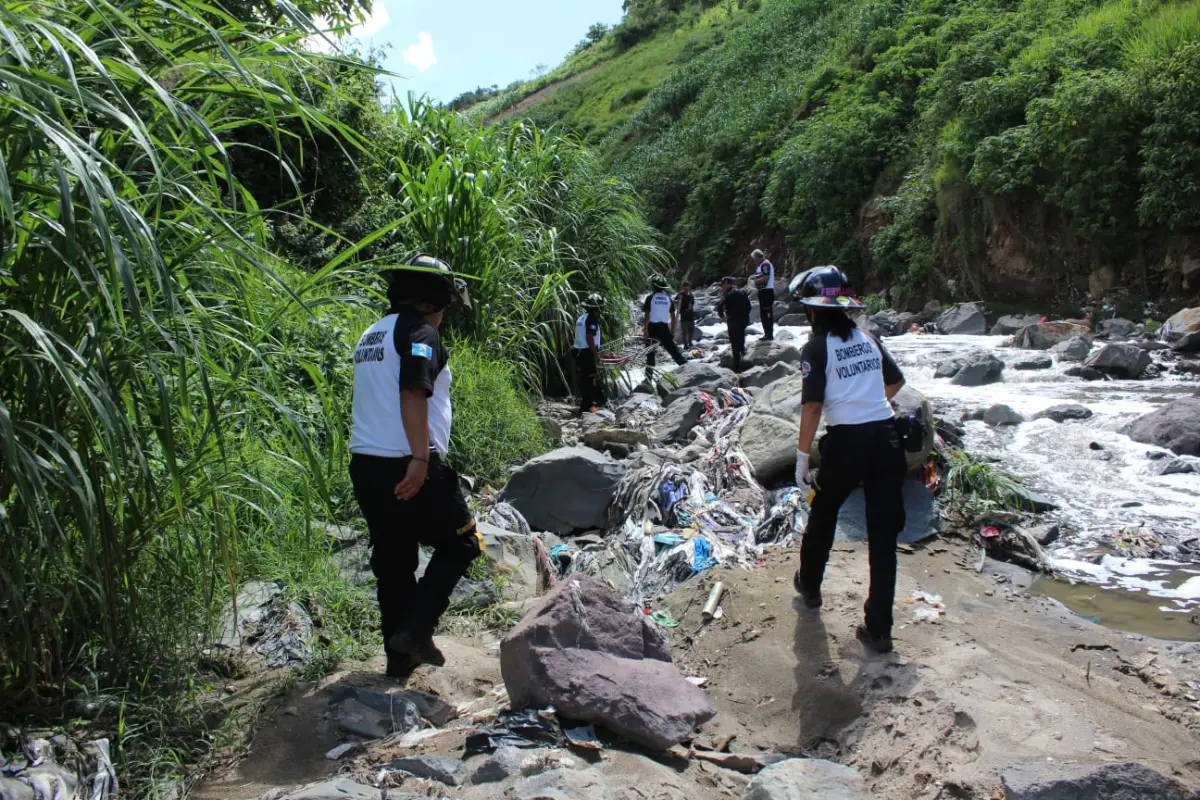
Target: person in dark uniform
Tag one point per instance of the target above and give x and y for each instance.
(849, 377)
(659, 309)
(398, 442)
(686, 302)
(734, 310)
(586, 353)
(764, 279)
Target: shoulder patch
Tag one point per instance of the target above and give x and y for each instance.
(805, 369)
(422, 351)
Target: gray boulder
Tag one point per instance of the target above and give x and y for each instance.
(1075, 348)
(678, 420)
(805, 778)
(1120, 360)
(963, 319)
(1002, 415)
(1174, 466)
(1045, 335)
(604, 439)
(1175, 426)
(356, 717)
(1042, 780)
(1180, 325)
(1118, 328)
(1188, 343)
(758, 377)
(769, 443)
(1009, 324)
(504, 763)
(888, 323)
(764, 354)
(700, 375)
(950, 367)
(564, 489)
(1087, 373)
(792, 320)
(1064, 412)
(443, 769)
(983, 369)
(590, 654)
(563, 784)
(1036, 362)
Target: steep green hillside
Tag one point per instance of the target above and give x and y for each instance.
(1019, 146)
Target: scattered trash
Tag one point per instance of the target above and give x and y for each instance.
(583, 737)
(932, 600)
(665, 618)
(341, 751)
(926, 615)
(525, 729)
(747, 763)
(714, 600)
(696, 680)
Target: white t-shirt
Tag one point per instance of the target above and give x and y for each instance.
(398, 352)
(848, 377)
(582, 329)
(768, 269)
(658, 307)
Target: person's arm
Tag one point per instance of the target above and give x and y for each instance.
(414, 413)
(421, 359)
(813, 360)
(591, 342)
(646, 316)
(810, 419)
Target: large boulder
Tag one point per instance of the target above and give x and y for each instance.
(700, 375)
(1175, 426)
(1009, 324)
(807, 779)
(565, 489)
(758, 377)
(678, 420)
(1001, 415)
(1064, 412)
(1034, 363)
(1120, 360)
(1189, 343)
(769, 443)
(792, 320)
(888, 323)
(963, 319)
(1185, 322)
(1118, 328)
(1057, 780)
(950, 367)
(764, 354)
(1045, 335)
(982, 369)
(591, 655)
(1074, 349)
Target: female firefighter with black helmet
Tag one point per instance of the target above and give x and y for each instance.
(398, 442)
(850, 378)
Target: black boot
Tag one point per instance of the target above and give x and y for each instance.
(879, 643)
(811, 599)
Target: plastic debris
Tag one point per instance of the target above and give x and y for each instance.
(526, 729)
(714, 601)
(583, 737)
(665, 618)
(926, 615)
(932, 600)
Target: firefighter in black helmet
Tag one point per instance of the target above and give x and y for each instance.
(586, 353)
(661, 321)
(398, 442)
(849, 377)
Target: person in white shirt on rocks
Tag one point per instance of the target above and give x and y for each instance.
(586, 354)
(398, 443)
(764, 279)
(659, 310)
(851, 378)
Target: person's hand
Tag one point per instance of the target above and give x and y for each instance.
(803, 477)
(414, 480)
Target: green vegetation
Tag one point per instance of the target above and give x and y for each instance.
(194, 209)
(976, 487)
(911, 141)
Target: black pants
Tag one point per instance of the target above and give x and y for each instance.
(438, 517)
(766, 312)
(737, 340)
(688, 324)
(661, 332)
(587, 379)
(869, 454)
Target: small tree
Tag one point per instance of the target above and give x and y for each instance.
(597, 32)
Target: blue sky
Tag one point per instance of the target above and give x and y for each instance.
(445, 47)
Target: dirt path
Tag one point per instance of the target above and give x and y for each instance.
(541, 95)
(998, 680)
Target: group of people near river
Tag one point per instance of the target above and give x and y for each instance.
(410, 496)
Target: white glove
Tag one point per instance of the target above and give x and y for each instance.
(803, 478)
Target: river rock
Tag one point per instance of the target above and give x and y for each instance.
(1118, 328)
(764, 354)
(1087, 373)
(700, 375)
(758, 377)
(443, 769)
(1174, 466)
(890, 323)
(1175, 426)
(598, 438)
(1045, 780)
(502, 764)
(1189, 343)
(360, 719)
(1000, 415)
(1180, 325)
(1037, 362)
(965, 318)
(769, 443)
(950, 367)
(1075, 348)
(1064, 412)
(982, 369)
(1120, 360)
(1009, 324)
(805, 778)
(563, 784)
(678, 420)
(792, 320)
(1045, 335)
(590, 654)
(564, 489)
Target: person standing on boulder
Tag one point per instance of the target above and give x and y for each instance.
(586, 353)
(659, 310)
(764, 279)
(849, 377)
(398, 442)
(686, 302)
(734, 310)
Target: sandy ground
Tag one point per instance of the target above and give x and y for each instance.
(1001, 678)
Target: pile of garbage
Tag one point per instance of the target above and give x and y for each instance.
(58, 769)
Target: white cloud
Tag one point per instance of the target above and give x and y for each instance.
(375, 21)
(420, 55)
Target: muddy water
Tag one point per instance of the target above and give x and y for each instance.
(1098, 476)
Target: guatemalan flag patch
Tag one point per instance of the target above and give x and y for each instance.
(422, 351)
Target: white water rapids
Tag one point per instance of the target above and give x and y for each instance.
(1099, 491)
